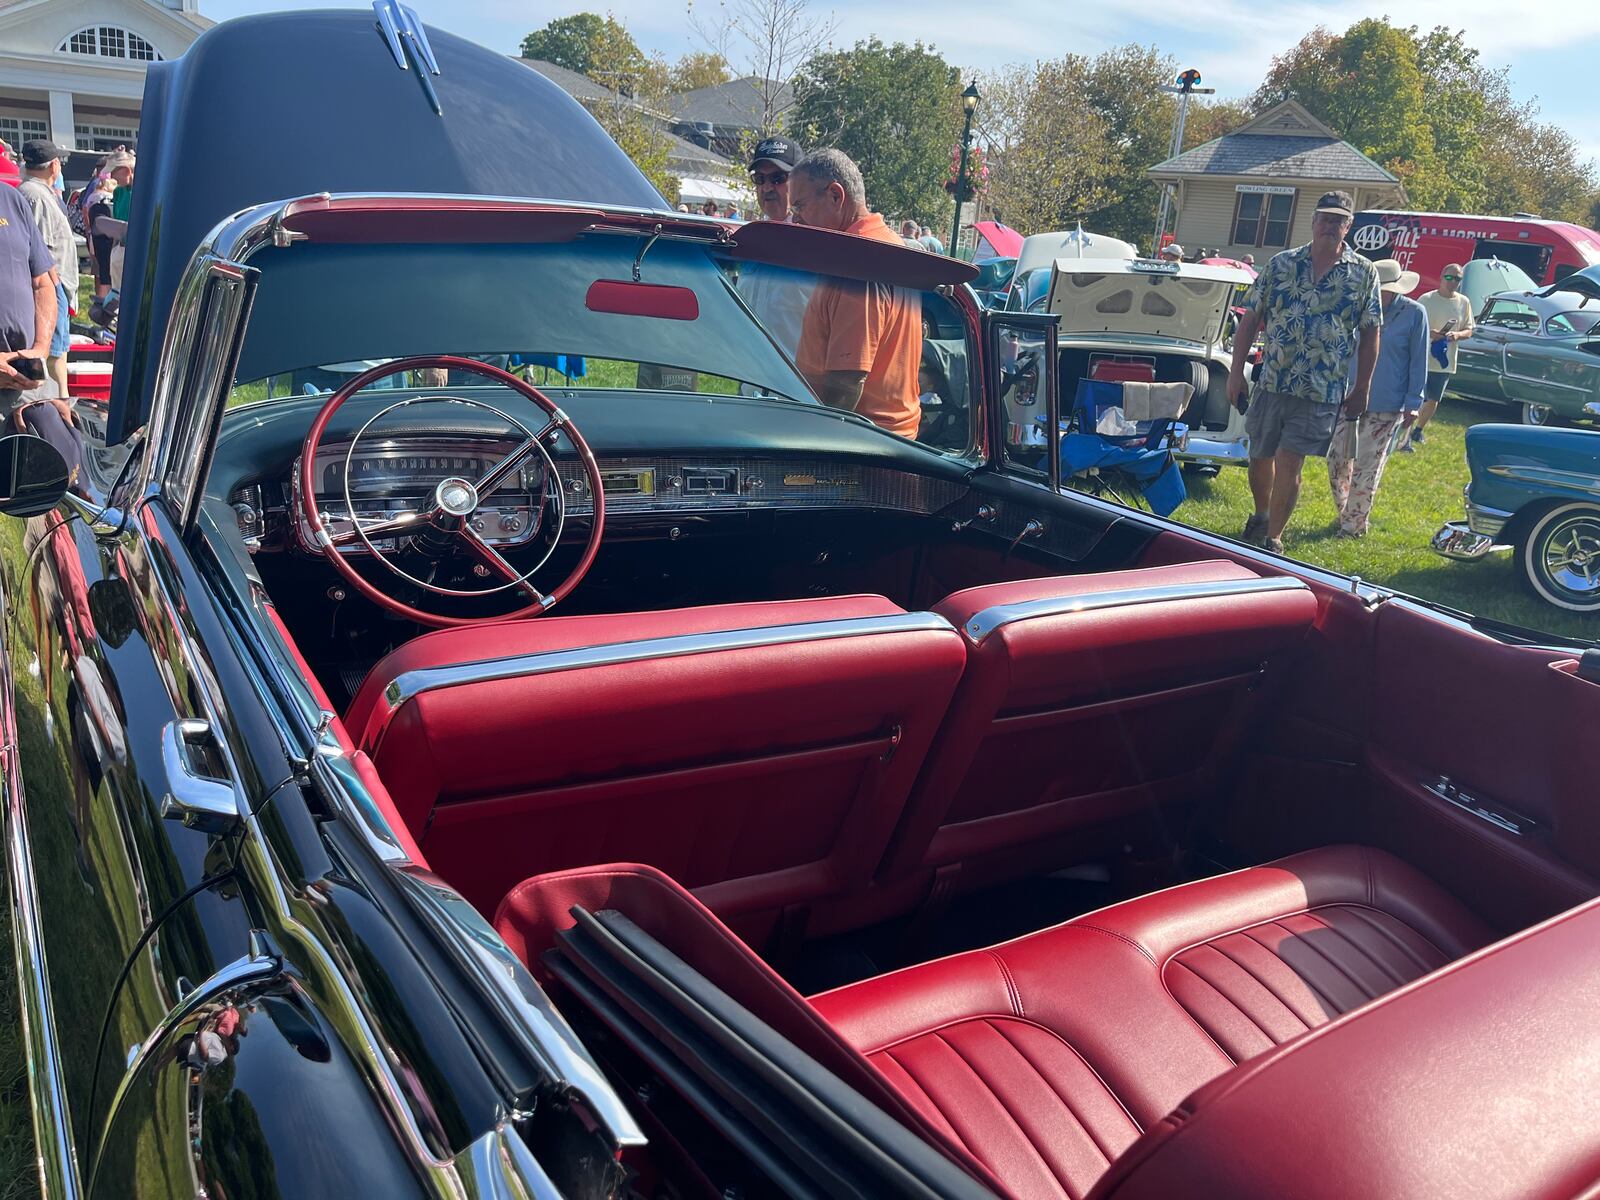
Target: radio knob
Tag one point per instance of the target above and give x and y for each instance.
(511, 523)
(478, 525)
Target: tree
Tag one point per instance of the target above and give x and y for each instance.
(698, 69)
(1425, 107)
(1209, 121)
(601, 48)
(1123, 85)
(896, 110)
(1050, 153)
(769, 41)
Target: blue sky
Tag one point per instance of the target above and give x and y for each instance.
(1230, 41)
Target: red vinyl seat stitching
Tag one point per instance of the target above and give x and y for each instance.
(1322, 997)
(1250, 977)
(1378, 928)
(1258, 977)
(1360, 949)
(1226, 999)
(1327, 958)
(1066, 1102)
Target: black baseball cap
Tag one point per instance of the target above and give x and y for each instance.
(40, 151)
(776, 149)
(1341, 203)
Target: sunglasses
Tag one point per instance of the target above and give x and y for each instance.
(762, 178)
(1452, 278)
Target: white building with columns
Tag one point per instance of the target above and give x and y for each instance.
(73, 70)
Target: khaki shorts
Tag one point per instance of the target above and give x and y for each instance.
(1277, 421)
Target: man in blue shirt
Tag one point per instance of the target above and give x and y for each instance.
(1361, 444)
(1318, 305)
(27, 306)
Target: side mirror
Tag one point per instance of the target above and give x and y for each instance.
(33, 475)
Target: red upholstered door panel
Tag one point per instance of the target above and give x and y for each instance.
(1511, 729)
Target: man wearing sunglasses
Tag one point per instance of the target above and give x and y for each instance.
(778, 297)
(1449, 317)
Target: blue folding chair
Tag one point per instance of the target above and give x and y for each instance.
(1136, 469)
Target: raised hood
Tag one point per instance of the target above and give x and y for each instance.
(271, 107)
(1142, 298)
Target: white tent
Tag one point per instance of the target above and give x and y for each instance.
(694, 190)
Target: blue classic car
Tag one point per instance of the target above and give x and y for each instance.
(1536, 492)
(561, 758)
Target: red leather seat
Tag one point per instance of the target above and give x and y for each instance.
(1479, 1081)
(1046, 1057)
(1088, 699)
(760, 753)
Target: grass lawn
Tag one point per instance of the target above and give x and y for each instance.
(1419, 493)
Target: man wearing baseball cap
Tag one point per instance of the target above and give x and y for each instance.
(778, 297)
(1361, 444)
(43, 160)
(1319, 306)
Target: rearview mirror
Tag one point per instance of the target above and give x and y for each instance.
(33, 475)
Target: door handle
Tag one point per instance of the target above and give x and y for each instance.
(199, 801)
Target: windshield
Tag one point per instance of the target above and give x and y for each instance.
(895, 356)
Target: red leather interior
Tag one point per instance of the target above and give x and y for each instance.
(1046, 1056)
(1478, 1081)
(536, 910)
(760, 776)
(1064, 722)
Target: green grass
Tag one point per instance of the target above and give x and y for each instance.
(1419, 493)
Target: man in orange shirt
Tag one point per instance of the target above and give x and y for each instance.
(860, 343)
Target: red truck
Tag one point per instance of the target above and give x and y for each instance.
(1423, 242)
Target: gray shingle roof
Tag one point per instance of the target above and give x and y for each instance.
(574, 84)
(1277, 156)
(736, 104)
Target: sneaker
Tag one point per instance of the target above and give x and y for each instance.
(1406, 447)
(1272, 545)
(1255, 528)
(1417, 438)
(1351, 534)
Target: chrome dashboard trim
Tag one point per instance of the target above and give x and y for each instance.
(411, 684)
(984, 623)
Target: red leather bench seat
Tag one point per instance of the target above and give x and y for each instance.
(760, 753)
(1047, 1056)
(1037, 1063)
(1088, 700)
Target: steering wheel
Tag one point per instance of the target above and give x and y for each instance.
(448, 518)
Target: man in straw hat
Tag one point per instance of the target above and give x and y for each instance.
(1319, 306)
(1361, 444)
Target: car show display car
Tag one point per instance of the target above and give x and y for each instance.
(1539, 351)
(557, 756)
(1535, 492)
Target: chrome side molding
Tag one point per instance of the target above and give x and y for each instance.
(199, 801)
(414, 683)
(982, 624)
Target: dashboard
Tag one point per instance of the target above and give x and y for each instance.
(645, 494)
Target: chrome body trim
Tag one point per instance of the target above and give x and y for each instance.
(1456, 540)
(503, 1168)
(414, 683)
(1216, 451)
(52, 1127)
(984, 623)
(1591, 410)
(1580, 481)
(1487, 521)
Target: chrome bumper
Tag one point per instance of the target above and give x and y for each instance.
(1214, 451)
(1456, 540)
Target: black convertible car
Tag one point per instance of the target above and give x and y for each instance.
(478, 726)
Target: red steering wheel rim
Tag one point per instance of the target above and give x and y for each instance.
(323, 541)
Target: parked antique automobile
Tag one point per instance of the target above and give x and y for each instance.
(1156, 321)
(642, 780)
(1539, 351)
(1535, 492)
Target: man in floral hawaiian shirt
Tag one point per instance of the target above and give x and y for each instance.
(1319, 305)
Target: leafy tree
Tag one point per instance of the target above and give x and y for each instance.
(698, 69)
(1123, 85)
(1209, 121)
(896, 110)
(601, 48)
(1426, 107)
(1050, 153)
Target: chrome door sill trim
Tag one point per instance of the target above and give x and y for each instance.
(411, 684)
(989, 620)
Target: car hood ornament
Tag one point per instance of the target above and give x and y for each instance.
(408, 40)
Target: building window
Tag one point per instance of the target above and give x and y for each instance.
(103, 138)
(14, 131)
(1263, 219)
(110, 41)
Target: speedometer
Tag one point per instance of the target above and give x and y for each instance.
(372, 473)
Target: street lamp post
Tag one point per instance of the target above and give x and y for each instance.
(1187, 85)
(969, 105)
